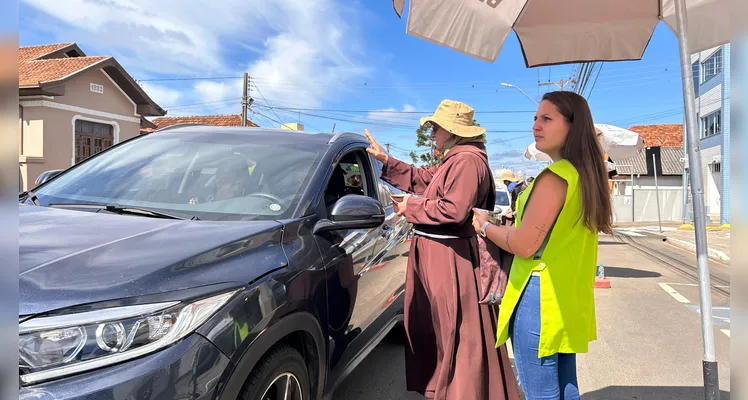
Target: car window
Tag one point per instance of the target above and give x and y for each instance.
(350, 176)
(502, 198)
(216, 177)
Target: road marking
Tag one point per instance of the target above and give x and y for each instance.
(726, 332)
(674, 293)
(631, 233)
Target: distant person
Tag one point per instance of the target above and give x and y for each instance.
(553, 286)
(451, 353)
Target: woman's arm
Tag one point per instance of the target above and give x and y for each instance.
(545, 203)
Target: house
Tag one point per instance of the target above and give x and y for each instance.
(214, 120)
(636, 191)
(711, 74)
(72, 106)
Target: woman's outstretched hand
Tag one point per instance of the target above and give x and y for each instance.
(375, 149)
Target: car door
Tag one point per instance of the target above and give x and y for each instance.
(348, 254)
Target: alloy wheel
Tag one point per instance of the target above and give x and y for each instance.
(284, 387)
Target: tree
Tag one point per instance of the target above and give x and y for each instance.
(423, 139)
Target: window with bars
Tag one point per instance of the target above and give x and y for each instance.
(91, 138)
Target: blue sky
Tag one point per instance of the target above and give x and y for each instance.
(316, 58)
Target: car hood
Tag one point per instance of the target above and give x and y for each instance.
(69, 258)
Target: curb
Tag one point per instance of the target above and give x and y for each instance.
(713, 253)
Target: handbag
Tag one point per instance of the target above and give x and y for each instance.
(494, 263)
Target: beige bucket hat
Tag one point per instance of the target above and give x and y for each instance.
(456, 117)
(508, 175)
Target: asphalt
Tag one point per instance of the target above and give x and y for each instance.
(649, 342)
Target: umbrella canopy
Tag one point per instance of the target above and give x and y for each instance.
(532, 153)
(619, 143)
(555, 32)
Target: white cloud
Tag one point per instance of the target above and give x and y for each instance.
(212, 92)
(298, 52)
(395, 116)
(162, 95)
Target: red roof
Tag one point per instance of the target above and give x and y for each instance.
(214, 120)
(664, 135)
(29, 53)
(35, 71)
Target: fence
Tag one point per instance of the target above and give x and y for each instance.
(642, 206)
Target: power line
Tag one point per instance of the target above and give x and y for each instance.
(395, 111)
(263, 97)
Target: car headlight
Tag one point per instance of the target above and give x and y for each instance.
(61, 345)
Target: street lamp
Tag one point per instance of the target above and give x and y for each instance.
(521, 91)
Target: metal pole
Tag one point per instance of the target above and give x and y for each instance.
(711, 380)
(244, 99)
(657, 191)
(633, 210)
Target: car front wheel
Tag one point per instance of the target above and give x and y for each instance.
(281, 375)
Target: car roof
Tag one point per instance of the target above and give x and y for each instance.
(312, 137)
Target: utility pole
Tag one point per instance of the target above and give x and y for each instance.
(561, 83)
(245, 101)
(387, 145)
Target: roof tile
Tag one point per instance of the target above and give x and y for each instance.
(214, 120)
(670, 158)
(28, 53)
(667, 135)
(33, 72)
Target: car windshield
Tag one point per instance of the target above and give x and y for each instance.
(502, 198)
(211, 176)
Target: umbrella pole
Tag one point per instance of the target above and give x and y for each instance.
(711, 380)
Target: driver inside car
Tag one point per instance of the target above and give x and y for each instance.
(232, 177)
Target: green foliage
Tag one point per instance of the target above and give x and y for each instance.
(423, 139)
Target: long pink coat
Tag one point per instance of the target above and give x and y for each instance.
(451, 350)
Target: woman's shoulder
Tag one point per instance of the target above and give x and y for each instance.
(566, 170)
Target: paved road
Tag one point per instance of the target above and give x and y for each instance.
(381, 376)
(648, 347)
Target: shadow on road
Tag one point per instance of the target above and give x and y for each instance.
(650, 393)
(623, 272)
(381, 375)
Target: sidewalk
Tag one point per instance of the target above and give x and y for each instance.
(718, 239)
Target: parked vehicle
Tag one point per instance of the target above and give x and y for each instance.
(208, 262)
(502, 202)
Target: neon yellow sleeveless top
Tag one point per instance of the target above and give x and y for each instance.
(567, 276)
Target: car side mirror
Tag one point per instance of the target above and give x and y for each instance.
(47, 175)
(353, 212)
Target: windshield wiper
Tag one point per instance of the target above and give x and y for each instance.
(30, 195)
(126, 210)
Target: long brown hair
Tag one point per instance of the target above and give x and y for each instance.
(583, 150)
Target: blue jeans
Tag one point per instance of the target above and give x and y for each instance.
(552, 377)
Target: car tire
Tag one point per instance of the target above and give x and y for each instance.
(281, 367)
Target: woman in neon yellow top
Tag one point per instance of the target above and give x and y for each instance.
(548, 308)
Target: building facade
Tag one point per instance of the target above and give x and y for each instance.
(72, 106)
(711, 74)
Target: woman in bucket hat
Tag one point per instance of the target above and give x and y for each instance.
(450, 352)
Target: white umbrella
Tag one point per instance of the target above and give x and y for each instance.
(572, 31)
(620, 143)
(532, 153)
(553, 31)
